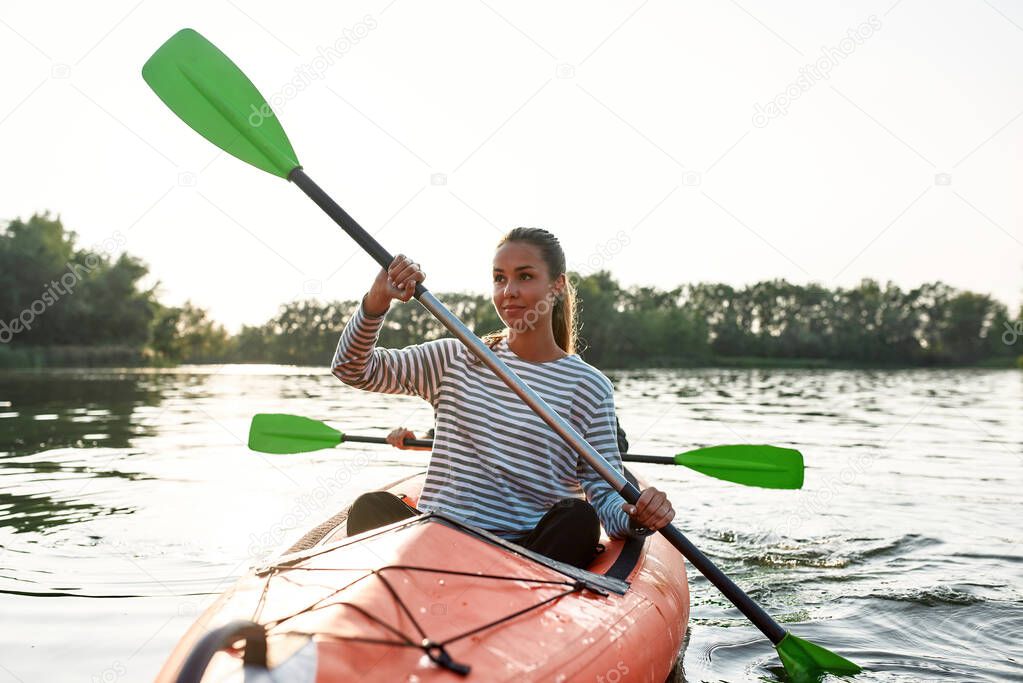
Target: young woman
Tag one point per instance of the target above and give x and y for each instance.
(495, 464)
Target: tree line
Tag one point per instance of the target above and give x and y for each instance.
(64, 304)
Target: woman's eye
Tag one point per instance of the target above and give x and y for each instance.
(497, 278)
(527, 276)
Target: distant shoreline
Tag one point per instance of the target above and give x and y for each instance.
(743, 362)
(86, 357)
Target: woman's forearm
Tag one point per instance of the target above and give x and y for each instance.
(374, 306)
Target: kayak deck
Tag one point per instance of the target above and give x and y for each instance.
(426, 598)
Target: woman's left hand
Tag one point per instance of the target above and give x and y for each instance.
(653, 510)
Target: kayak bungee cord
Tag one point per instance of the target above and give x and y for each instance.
(435, 650)
(204, 88)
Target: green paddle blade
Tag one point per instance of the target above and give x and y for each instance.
(212, 95)
(277, 433)
(805, 661)
(769, 467)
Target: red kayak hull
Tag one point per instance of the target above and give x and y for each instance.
(359, 608)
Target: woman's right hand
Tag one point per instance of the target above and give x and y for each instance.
(397, 282)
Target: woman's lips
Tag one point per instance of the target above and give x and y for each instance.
(513, 309)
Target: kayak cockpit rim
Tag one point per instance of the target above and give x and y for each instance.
(597, 583)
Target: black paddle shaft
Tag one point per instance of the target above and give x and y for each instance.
(761, 619)
(415, 443)
(347, 223)
(754, 612)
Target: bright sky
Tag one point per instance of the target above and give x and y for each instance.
(626, 127)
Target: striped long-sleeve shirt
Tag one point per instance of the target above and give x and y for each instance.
(495, 463)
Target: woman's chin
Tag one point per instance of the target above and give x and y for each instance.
(510, 318)
(518, 325)
(511, 321)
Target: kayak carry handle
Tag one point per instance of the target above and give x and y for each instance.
(219, 639)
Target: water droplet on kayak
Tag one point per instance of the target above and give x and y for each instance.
(440, 582)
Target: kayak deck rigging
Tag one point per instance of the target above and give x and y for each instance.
(435, 650)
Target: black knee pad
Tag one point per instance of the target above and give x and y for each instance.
(582, 514)
(375, 509)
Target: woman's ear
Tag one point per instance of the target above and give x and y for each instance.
(558, 287)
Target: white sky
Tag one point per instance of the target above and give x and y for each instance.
(584, 118)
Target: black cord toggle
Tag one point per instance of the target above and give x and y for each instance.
(439, 656)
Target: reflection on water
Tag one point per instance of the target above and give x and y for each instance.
(128, 500)
(57, 431)
(76, 409)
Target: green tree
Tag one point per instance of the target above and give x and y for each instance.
(69, 296)
(186, 334)
(599, 307)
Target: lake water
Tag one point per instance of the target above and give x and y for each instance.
(128, 500)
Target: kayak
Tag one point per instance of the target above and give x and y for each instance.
(433, 599)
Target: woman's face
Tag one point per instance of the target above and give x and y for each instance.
(523, 289)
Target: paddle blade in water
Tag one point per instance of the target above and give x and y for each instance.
(212, 95)
(277, 433)
(769, 467)
(806, 662)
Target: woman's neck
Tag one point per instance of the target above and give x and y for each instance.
(535, 346)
